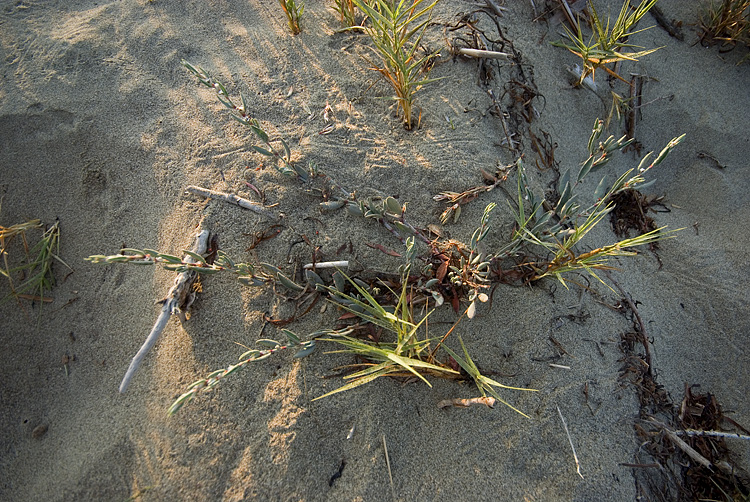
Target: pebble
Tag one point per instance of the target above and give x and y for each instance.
(39, 431)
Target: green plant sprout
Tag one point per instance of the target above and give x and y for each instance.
(408, 355)
(293, 11)
(396, 28)
(607, 46)
(283, 156)
(556, 228)
(346, 11)
(253, 355)
(247, 273)
(36, 268)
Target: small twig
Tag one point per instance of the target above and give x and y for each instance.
(569, 15)
(495, 7)
(562, 367)
(689, 451)
(174, 300)
(232, 199)
(717, 434)
(478, 53)
(388, 465)
(465, 403)
(326, 264)
(508, 135)
(570, 440)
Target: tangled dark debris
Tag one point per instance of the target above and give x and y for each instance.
(514, 104)
(673, 462)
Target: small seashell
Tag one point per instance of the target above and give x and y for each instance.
(39, 431)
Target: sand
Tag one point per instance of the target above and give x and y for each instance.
(102, 129)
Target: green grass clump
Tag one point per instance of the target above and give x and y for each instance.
(561, 228)
(607, 45)
(396, 29)
(347, 12)
(30, 278)
(293, 11)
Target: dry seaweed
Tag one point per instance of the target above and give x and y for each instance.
(631, 213)
(672, 464)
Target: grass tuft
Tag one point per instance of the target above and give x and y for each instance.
(293, 11)
(30, 278)
(396, 29)
(607, 45)
(727, 23)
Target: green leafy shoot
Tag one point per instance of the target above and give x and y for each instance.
(293, 11)
(567, 261)
(247, 273)
(396, 29)
(347, 12)
(269, 347)
(276, 149)
(408, 354)
(558, 229)
(484, 384)
(607, 45)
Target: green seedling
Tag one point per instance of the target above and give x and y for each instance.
(247, 273)
(347, 12)
(557, 229)
(396, 29)
(607, 45)
(268, 348)
(282, 156)
(35, 269)
(293, 11)
(407, 355)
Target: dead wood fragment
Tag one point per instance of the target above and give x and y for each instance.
(478, 53)
(465, 403)
(232, 199)
(176, 302)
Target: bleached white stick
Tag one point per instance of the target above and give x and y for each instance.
(232, 199)
(175, 297)
(326, 264)
(478, 53)
(717, 434)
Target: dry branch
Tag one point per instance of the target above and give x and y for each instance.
(233, 199)
(178, 299)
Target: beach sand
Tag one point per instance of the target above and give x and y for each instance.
(102, 128)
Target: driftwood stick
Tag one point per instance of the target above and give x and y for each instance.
(692, 453)
(715, 434)
(326, 264)
(176, 297)
(478, 53)
(232, 199)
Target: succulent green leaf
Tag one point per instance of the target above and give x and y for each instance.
(267, 342)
